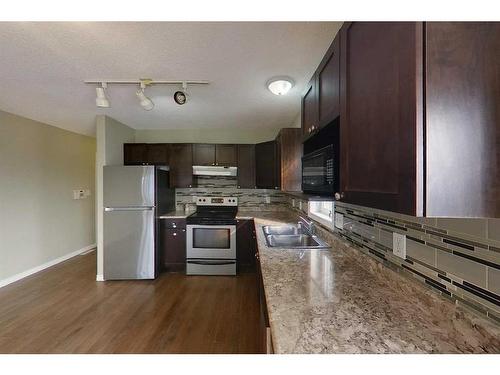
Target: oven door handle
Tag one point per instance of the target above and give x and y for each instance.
(211, 262)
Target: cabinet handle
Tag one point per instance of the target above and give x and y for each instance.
(183, 230)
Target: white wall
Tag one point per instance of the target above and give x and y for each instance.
(111, 135)
(40, 222)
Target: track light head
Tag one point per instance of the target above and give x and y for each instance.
(101, 100)
(180, 97)
(144, 101)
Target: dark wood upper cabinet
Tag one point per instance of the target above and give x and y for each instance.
(289, 144)
(158, 153)
(267, 165)
(203, 154)
(211, 154)
(381, 127)
(135, 153)
(181, 165)
(226, 155)
(329, 85)
(246, 166)
(146, 154)
(463, 119)
(309, 111)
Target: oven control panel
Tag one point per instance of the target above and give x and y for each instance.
(216, 201)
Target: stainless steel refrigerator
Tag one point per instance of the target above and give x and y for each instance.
(133, 195)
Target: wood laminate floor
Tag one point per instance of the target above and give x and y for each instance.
(64, 310)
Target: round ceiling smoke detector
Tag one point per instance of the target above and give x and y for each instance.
(280, 85)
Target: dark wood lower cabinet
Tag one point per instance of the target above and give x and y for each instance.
(266, 346)
(172, 245)
(246, 246)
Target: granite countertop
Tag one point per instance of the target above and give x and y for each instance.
(342, 301)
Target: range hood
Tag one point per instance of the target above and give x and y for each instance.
(201, 170)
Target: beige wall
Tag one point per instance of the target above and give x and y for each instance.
(40, 166)
(111, 135)
(206, 135)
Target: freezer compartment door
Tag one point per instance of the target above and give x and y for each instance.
(126, 186)
(128, 244)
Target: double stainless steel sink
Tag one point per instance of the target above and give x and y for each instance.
(292, 237)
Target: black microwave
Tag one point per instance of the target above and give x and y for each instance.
(319, 172)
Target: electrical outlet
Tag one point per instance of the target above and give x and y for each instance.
(399, 245)
(268, 199)
(339, 221)
(293, 202)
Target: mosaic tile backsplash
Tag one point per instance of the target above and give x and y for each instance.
(248, 199)
(457, 258)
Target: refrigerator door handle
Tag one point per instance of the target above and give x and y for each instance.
(138, 208)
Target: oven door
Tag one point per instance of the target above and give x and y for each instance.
(211, 241)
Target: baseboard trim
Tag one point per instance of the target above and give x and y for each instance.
(44, 266)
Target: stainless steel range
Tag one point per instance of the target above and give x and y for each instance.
(211, 237)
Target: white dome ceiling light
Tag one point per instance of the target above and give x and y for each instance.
(144, 101)
(280, 85)
(102, 100)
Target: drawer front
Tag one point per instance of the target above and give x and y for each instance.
(174, 223)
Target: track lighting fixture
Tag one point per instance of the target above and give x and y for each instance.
(101, 100)
(180, 97)
(144, 101)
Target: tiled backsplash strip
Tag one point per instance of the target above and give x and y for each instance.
(462, 266)
(248, 199)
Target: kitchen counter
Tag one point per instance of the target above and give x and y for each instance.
(342, 301)
(180, 214)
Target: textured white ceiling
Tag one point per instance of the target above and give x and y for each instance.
(43, 65)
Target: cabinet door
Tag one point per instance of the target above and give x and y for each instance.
(203, 154)
(135, 153)
(266, 165)
(245, 245)
(463, 119)
(246, 166)
(290, 146)
(157, 153)
(225, 155)
(181, 165)
(172, 249)
(310, 108)
(329, 84)
(381, 115)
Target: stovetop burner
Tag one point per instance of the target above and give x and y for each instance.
(214, 211)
